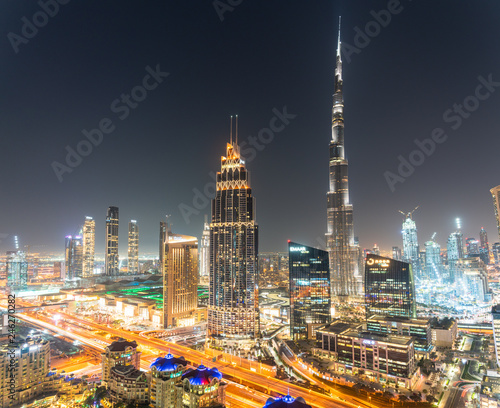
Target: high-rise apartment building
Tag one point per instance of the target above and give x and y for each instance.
(17, 271)
(163, 238)
(410, 242)
(389, 287)
(112, 265)
(495, 193)
(233, 307)
(495, 250)
(74, 256)
(310, 291)
(180, 280)
(166, 373)
(205, 254)
(484, 246)
(340, 243)
(133, 247)
(88, 234)
(472, 247)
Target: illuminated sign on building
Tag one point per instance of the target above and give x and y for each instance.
(383, 263)
(297, 249)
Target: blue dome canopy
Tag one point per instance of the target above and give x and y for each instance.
(168, 363)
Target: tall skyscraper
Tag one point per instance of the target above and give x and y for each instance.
(495, 193)
(163, 238)
(433, 264)
(495, 314)
(472, 247)
(74, 256)
(396, 253)
(111, 262)
(180, 280)
(495, 249)
(205, 254)
(484, 248)
(410, 242)
(343, 253)
(233, 307)
(17, 271)
(310, 290)
(389, 288)
(88, 247)
(133, 247)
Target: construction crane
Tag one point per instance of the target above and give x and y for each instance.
(409, 214)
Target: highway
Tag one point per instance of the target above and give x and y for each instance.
(250, 378)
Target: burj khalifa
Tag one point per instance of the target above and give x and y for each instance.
(342, 248)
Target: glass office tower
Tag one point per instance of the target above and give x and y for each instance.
(112, 263)
(310, 304)
(133, 247)
(389, 287)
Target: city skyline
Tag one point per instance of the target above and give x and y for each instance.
(84, 193)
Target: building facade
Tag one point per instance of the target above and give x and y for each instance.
(74, 256)
(17, 271)
(433, 264)
(410, 243)
(389, 287)
(201, 387)
(205, 254)
(495, 317)
(166, 373)
(112, 264)
(495, 193)
(180, 280)
(233, 307)
(88, 234)
(128, 385)
(343, 252)
(133, 248)
(32, 366)
(310, 291)
(120, 352)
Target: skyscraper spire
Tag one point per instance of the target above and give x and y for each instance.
(343, 252)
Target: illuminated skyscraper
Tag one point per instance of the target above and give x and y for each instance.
(180, 280)
(17, 271)
(163, 238)
(410, 242)
(343, 253)
(472, 247)
(396, 253)
(484, 248)
(205, 254)
(112, 263)
(233, 308)
(88, 247)
(133, 247)
(495, 193)
(495, 314)
(433, 264)
(309, 289)
(74, 256)
(389, 288)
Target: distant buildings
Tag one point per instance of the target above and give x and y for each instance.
(74, 256)
(88, 234)
(310, 294)
(455, 251)
(205, 254)
(495, 193)
(474, 276)
(180, 280)
(433, 264)
(343, 252)
(233, 307)
(133, 248)
(396, 253)
(389, 287)
(273, 270)
(472, 247)
(17, 271)
(120, 352)
(111, 255)
(28, 373)
(410, 243)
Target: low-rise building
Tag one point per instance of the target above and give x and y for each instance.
(444, 333)
(490, 392)
(120, 352)
(384, 358)
(128, 384)
(419, 329)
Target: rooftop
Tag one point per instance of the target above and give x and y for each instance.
(121, 345)
(286, 402)
(202, 375)
(168, 363)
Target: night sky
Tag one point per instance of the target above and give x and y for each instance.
(262, 56)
